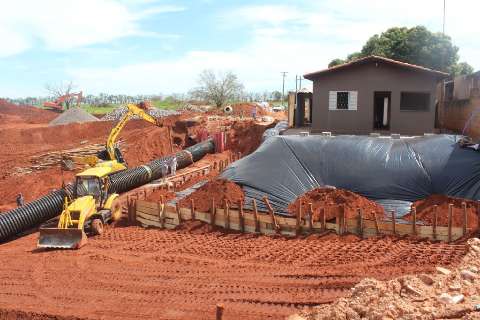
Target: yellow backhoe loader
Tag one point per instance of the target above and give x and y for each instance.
(89, 208)
(92, 204)
(112, 156)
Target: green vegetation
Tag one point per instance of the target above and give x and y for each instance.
(415, 45)
(99, 109)
(168, 103)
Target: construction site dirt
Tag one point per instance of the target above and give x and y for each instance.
(131, 272)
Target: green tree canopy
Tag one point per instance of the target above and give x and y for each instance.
(415, 45)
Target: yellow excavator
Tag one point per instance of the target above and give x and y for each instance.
(92, 204)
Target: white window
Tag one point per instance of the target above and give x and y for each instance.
(342, 100)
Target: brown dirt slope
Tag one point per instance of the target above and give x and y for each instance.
(333, 200)
(425, 209)
(132, 272)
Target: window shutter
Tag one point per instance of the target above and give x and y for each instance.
(352, 100)
(332, 100)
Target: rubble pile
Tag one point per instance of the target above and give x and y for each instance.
(447, 294)
(117, 113)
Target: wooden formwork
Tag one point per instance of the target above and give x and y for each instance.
(162, 215)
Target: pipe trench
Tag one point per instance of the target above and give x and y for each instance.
(49, 206)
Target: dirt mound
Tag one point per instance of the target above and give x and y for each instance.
(165, 274)
(245, 109)
(448, 294)
(219, 190)
(245, 136)
(425, 209)
(73, 115)
(157, 195)
(333, 200)
(12, 113)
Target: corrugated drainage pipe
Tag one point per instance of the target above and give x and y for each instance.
(47, 207)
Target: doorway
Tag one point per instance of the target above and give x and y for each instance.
(381, 110)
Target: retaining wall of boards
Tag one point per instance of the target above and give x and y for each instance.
(163, 215)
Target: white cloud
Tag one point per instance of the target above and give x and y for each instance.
(295, 38)
(67, 24)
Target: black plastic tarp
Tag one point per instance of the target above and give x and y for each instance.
(390, 171)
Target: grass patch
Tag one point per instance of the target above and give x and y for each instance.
(95, 109)
(167, 104)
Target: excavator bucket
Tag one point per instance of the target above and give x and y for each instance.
(61, 238)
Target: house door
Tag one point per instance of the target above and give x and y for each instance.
(381, 110)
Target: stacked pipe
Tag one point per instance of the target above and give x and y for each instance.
(47, 207)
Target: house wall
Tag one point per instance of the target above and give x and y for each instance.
(366, 79)
(456, 114)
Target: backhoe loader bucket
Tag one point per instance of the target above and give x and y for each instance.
(61, 238)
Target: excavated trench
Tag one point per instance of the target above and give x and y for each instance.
(47, 207)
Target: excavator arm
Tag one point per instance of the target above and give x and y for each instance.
(133, 110)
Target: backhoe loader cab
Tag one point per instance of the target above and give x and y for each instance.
(91, 207)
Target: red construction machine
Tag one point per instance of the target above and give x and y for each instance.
(57, 105)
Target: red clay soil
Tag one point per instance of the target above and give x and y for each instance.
(245, 136)
(12, 114)
(218, 189)
(158, 195)
(130, 273)
(425, 209)
(333, 200)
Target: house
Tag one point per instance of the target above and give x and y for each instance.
(374, 94)
(459, 104)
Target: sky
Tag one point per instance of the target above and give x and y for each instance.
(160, 47)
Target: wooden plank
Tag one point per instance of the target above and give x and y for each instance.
(464, 211)
(212, 212)
(298, 218)
(240, 216)
(227, 214)
(435, 219)
(272, 214)
(394, 231)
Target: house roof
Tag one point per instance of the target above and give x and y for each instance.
(370, 59)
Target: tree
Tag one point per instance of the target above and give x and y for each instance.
(276, 95)
(219, 88)
(415, 45)
(61, 89)
(336, 62)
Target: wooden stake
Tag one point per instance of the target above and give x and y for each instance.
(393, 222)
(414, 222)
(145, 194)
(272, 214)
(255, 215)
(435, 220)
(360, 222)
(310, 216)
(170, 139)
(213, 212)
(377, 229)
(160, 214)
(450, 210)
(177, 210)
(323, 218)
(464, 208)
(240, 216)
(192, 208)
(226, 208)
(219, 312)
(299, 219)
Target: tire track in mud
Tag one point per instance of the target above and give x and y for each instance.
(130, 272)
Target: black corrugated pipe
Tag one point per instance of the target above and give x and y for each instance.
(47, 207)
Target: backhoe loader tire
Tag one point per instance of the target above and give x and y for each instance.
(116, 210)
(97, 227)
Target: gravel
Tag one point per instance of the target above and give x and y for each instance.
(120, 111)
(73, 115)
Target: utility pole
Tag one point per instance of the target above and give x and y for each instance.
(284, 74)
(443, 17)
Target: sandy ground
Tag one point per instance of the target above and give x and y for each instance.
(131, 272)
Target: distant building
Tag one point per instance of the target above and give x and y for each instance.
(374, 94)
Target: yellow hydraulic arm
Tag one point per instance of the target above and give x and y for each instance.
(132, 111)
